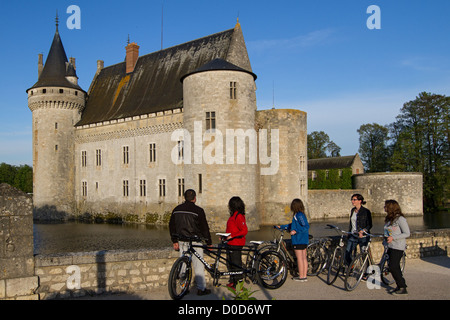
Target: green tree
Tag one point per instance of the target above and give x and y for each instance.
(319, 143)
(373, 147)
(20, 177)
(7, 173)
(420, 137)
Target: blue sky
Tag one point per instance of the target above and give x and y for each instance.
(316, 56)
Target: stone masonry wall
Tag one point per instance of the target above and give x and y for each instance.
(17, 279)
(145, 270)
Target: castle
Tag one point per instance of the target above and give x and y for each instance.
(155, 125)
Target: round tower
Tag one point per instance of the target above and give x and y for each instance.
(219, 107)
(56, 102)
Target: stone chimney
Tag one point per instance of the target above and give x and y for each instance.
(132, 56)
(72, 61)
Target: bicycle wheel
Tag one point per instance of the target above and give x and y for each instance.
(386, 275)
(180, 278)
(271, 269)
(335, 265)
(314, 257)
(355, 272)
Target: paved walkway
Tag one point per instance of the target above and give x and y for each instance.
(427, 279)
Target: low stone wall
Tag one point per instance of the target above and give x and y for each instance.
(92, 273)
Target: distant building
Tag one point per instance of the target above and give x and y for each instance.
(323, 166)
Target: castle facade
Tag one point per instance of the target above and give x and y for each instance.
(155, 125)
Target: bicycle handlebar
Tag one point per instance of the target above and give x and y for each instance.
(339, 230)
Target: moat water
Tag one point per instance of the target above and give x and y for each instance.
(51, 238)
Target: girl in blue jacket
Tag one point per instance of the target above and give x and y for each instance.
(299, 229)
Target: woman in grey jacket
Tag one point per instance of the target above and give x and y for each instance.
(396, 230)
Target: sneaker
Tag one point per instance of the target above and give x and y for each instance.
(299, 279)
(203, 292)
(394, 290)
(400, 291)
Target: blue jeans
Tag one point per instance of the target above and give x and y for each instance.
(351, 246)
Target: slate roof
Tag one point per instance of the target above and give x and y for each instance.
(56, 67)
(331, 163)
(155, 84)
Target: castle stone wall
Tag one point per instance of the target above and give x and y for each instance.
(290, 180)
(105, 180)
(405, 187)
(215, 161)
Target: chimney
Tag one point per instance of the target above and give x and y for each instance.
(40, 64)
(72, 61)
(132, 56)
(100, 65)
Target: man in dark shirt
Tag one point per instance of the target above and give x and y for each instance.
(189, 220)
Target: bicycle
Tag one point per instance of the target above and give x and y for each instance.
(268, 267)
(364, 259)
(280, 245)
(316, 254)
(337, 260)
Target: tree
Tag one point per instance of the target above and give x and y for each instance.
(318, 145)
(19, 177)
(373, 147)
(420, 137)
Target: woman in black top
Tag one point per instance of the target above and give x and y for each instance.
(360, 221)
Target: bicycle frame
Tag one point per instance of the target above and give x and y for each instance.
(216, 253)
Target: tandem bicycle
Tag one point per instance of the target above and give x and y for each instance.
(266, 267)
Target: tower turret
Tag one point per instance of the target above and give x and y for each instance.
(56, 102)
(219, 104)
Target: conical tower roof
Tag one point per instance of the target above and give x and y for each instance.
(56, 67)
(216, 65)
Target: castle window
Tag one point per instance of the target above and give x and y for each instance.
(83, 158)
(233, 90)
(200, 183)
(152, 150)
(56, 147)
(126, 155)
(181, 150)
(143, 188)
(162, 187)
(126, 191)
(84, 188)
(211, 120)
(61, 90)
(44, 90)
(76, 93)
(180, 187)
(98, 157)
(56, 125)
(302, 187)
(302, 163)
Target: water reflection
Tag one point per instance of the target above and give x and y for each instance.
(78, 237)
